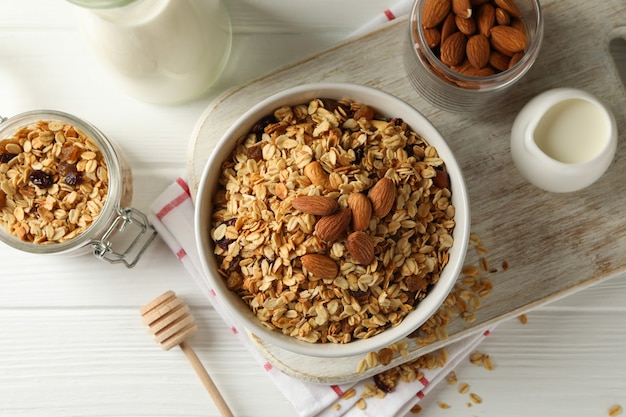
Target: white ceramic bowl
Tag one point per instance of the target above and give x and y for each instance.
(388, 106)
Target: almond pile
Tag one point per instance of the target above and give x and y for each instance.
(335, 221)
(331, 222)
(475, 37)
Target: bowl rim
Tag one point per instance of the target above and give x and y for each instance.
(380, 100)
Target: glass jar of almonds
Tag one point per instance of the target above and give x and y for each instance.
(463, 55)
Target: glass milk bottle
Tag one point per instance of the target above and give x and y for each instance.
(159, 51)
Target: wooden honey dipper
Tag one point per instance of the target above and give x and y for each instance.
(171, 323)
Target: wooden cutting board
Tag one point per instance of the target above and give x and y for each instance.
(554, 244)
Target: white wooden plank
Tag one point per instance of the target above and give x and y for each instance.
(98, 362)
(543, 368)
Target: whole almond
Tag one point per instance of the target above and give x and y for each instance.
(434, 11)
(330, 228)
(315, 204)
(485, 19)
(465, 25)
(462, 8)
(361, 247)
(515, 59)
(507, 40)
(502, 16)
(499, 61)
(478, 50)
(361, 211)
(316, 174)
(519, 25)
(510, 6)
(320, 266)
(448, 27)
(432, 37)
(453, 49)
(382, 195)
(468, 69)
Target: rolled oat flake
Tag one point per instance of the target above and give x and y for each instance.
(66, 189)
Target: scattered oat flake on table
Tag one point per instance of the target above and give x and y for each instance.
(477, 358)
(470, 270)
(484, 264)
(371, 359)
(349, 394)
(488, 363)
(416, 409)
(361, 366)
(361, 404)
(451, 378)
(385, 355)
(464, 388)
(476, 399)
(615, 410)
(523, 319)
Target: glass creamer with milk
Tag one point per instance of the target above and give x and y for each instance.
(159, 51)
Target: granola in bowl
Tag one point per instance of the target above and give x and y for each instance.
(333, 220)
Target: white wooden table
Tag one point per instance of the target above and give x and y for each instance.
(71, 340)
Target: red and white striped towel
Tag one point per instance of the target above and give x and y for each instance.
(172, 214)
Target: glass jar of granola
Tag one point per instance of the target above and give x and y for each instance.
(66, 188)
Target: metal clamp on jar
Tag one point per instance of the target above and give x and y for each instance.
(65, 188)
